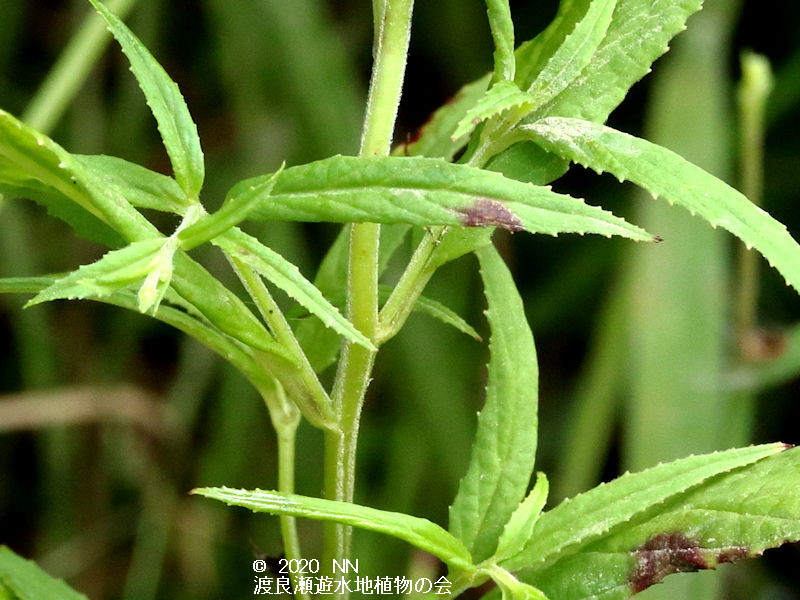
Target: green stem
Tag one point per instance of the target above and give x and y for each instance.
(753, 92)
(393, 28)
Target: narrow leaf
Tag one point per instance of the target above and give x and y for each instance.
(446, 315)
(734, 515)
(177, 129)
(414, 530)
(502, 96)
(26, 581)
(422, 191)
(116, 270)
(574, 54)
(639, 32)
(226, 218)
(586, 517)
(519, 528)
(505, 444)
(502, 28)
(276, 269)
(664, 173)
(140, 186)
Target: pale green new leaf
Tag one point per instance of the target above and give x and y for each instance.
(504, 451)
(422, 191)
(519, 528)
(116, 270)
(416, 531)
(446, 315)
(665, 174)
(26, 581)
(734, 515)
(578, 521)
(502, 96)
(276, 269)
(574, 53)
(175, 124)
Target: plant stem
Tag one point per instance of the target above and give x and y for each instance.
(393, 29)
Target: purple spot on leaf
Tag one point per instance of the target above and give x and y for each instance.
(486, 212)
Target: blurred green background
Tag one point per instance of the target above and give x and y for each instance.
(108, 418)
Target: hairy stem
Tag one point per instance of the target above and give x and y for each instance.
(393, 28)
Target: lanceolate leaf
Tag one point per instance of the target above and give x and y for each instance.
(24, 580)
(422, 191)
(505, 445)
(664, 173)
(416, 531)
(733, 515)
(574, 54)
(169, 108)
(575, 523)
(502, 96)
(639, 32)
(273, 267)
(519, 528)
(141, 187)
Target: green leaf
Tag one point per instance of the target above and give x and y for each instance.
(502, 96)
(528, 162)
(664, 173)
(733, 515)
(638, 34)
(502, 27)
(276, 269)
(422, 191)
(574, 53)
(141, 187)
(34, 166)
(439, 311)
(434, 138)
(414, 530)
(519, 528)
(175, 124)
(26, 581)
(576, 522)
(116, 270)
(513, 589)
(226, 218)
(504, 451)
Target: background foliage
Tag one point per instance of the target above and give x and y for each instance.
(108, 418)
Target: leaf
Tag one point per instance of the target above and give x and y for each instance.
(638, 34)
(175, 124)
(439, 311)
(664, 173)
(422, 191)
(504, 451)
(24, 580)
(528, 162)
(576, 522)
(501, 97)
(414, 530)
(733, 515)
(226, 218)
(502, 27)
(33, 166)
(276, 269)
(519, 528)
(141, 187)
(574, 53)
(116, 270)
